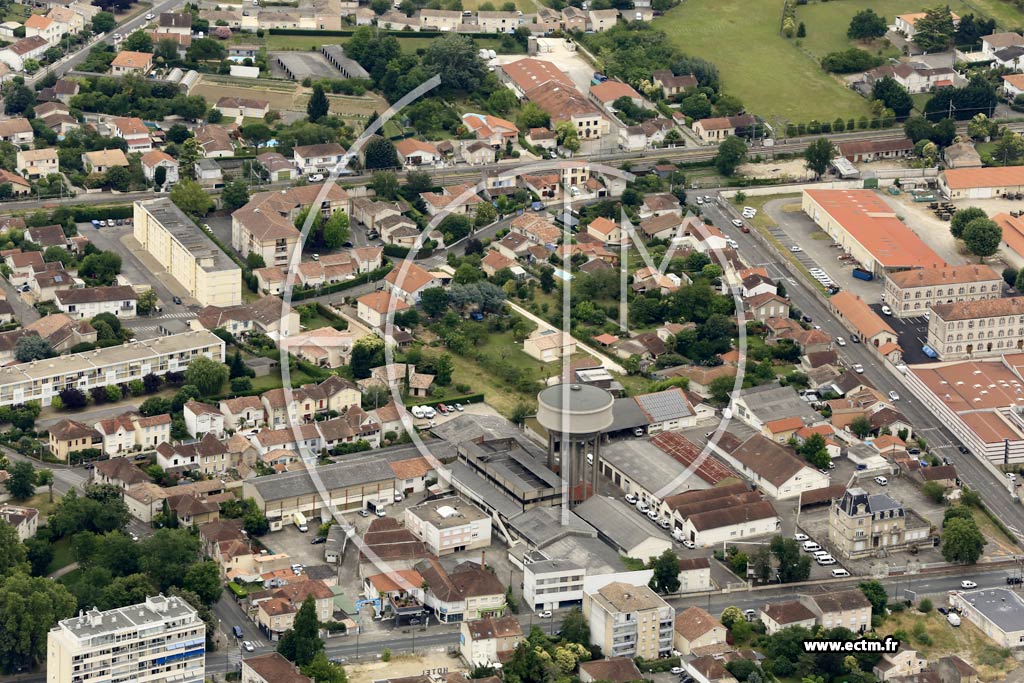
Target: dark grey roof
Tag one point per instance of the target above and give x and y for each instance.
(646, 464)
(1007, 53)
(474, 487)
(467, 427)
(540, 526)
(1002, 607)
(617, 522)
(626, 414)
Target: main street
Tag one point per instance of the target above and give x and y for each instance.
(993, 490)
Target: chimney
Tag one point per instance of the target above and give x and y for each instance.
(483, 559)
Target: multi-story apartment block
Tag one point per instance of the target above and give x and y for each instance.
(629, 620)
(42, 380)
(550, 583)
(910, 293)
(977, 329)
(158, 641)
(449, 525)
(180, 246)
(88, 302)
(861, 524)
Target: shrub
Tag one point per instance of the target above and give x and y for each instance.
(925, 606)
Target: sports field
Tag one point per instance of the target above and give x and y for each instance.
(767, 72)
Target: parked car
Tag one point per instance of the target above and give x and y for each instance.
(546, 614)
(796, 248)
(893, 396)
(858, 368)
(150, 16)
(631, 498)
(881, 481)
(676, 670)
(807, 319)
(176, 299)
(953, 619)
(643, 507)
(652, 515)
(737, 222)
(316, 177)
(840, 341)
(249, 647)
(458, 407)
(318, 540)
(1011, 476)
(800, 538)
(1014, 580)
(886, 310)
(689, 545)
(855, 339)
(364, 512)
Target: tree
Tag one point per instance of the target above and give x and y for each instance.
(818, 155)
(815, 450)
(962, 217)
(188, 154)
(322, 670)
(666, 572)
(203, 579)
(138, 42)
(874, 591)
(502, 101)
(336, 230)
(934, 31)
(380, 153)
(962, 542)
(982, 237)
(1009, 148)
(567, 135)
(103, 22)
(933, 491)
(866, 25)
(485, 214)
(302, 643)
(166, 556)
(731, 615)
(575, 628)
(191, 198)
(29, 608)
(443, 370)
(434, 301)
(730, 155)
(532, 116)
(206, 375)
(32, 347)
(318, 106)
(384, 184)
(45, 478)
(13, 556)
(22, 482)
(861, 426)
(893, 95)
(367, 353)
(18, 99)
(792, 565)
(454, 58)
(235, 195)
(981, 127)
(102, 269)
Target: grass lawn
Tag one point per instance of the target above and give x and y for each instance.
(61, 555)
(41, 502)
(273, 381)
(967, 641)
(1006, 15)
(497, 393)
(769, 75)
(827, 22)
(527, 6)
(17, 12)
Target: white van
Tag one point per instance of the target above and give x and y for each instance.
(417, 412)
(811, 546)
(821, 553)
(839, 573)
(953, 618)
(825, 561)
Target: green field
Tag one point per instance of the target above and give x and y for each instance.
(766, 71)
(1006, 15)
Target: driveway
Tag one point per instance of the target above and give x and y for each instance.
(913, 335)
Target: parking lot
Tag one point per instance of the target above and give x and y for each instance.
(913, 335)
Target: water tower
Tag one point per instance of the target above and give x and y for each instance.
(575, 415)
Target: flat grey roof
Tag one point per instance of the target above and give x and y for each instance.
(618, 522)
(190, 236)
(583, 397)
(595, 555)
(518, 463)
(773, 402)
(1002, 607)
(626, 414)
(369, 467)
(644, 463)
(446, 513)
(156, 610)
(541, 526)
(466, 427)
(472, 485)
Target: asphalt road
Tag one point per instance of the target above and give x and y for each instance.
(994, 490)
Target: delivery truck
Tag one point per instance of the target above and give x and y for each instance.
(300, 522)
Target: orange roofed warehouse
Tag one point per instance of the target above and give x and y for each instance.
(867, 228)
(980, 401)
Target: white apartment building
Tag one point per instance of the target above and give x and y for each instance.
(628, 620)
(180, 246)
(910, 293)
(130, 431)
(44, 379)
(449, 525)
(977, 329)
(88, 302)
(160, 640)
(550, 584)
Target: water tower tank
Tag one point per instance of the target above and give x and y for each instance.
(570, 409)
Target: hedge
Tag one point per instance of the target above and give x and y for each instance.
(396, 251)
(237, 590)
(84, 214)
(373, 275)
(468, 398)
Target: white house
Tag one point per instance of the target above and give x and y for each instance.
(130, 431)
(321, 159)
(86, 303)
(202, 419)
(155, 159)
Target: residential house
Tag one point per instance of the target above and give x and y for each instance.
(155, 159)
(242, 107)
(276, 166)
(489, 641)
(242, 413)
(69, 436)
(408, 280)
(773, 468)
(133, 131)
(718, 129)
(781, 615)
(37, 163)
(88, 302)
(493, 130)
(467, 592)
(413, 153)
(202, 419)
(17, 130)
(30, 47)
(103, 160)
(548, 345)
(696, 629)
(847, 608)
(893, 666)
(131, 432)
(318, 159)
(672, 85)
(128, 62)
(25, 520)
